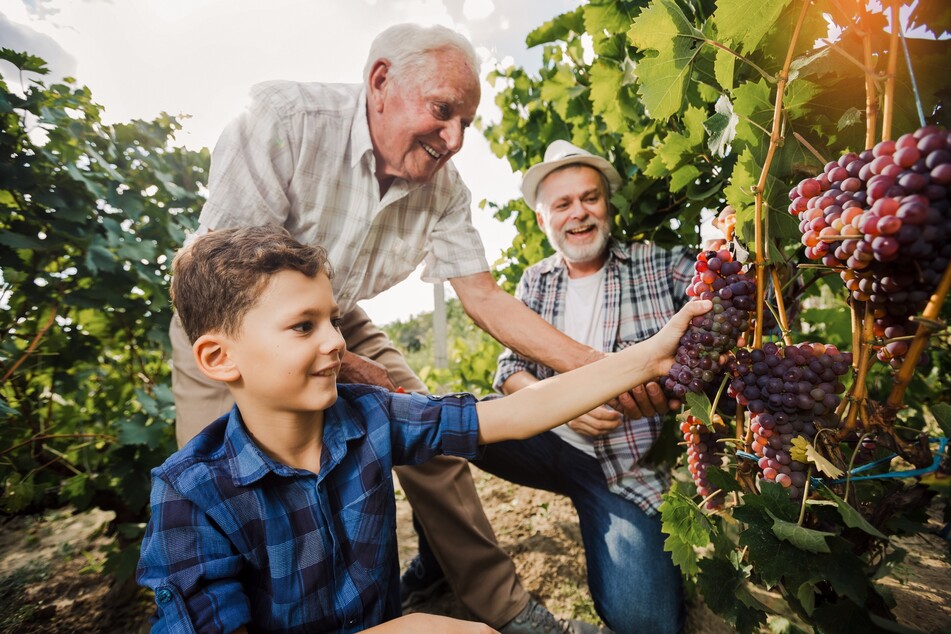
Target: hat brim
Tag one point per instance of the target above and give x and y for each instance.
(537, 173)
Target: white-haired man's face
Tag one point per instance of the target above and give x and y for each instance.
(421, 117)
(573, 212)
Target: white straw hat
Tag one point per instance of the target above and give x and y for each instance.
(559, 154)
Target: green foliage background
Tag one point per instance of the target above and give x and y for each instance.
(678, 94)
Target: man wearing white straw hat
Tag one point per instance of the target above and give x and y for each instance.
(606, 295)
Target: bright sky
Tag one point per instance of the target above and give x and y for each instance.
(199, 57)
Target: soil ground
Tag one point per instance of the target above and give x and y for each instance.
(51, 578)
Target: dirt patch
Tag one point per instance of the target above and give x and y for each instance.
(51, 578)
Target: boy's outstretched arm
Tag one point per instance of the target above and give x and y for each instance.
(551, 402)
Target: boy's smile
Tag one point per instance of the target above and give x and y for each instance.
(289, 348)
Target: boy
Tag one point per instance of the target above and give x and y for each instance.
(280, 516)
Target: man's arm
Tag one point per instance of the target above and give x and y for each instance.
(551, 402)
(520, 329)
(517, 327)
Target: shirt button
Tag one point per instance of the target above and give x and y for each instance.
(351, 621)
(163, 595)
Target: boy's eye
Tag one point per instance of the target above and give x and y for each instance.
(304, 326)
(337, 323)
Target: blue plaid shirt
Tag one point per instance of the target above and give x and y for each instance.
(644, 287)
(237, 538)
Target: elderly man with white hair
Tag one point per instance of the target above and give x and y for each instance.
(364, 170)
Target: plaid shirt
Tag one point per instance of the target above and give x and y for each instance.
(300, 157)
(644, 286)
(237, 538)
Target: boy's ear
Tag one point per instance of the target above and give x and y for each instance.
(211, 355)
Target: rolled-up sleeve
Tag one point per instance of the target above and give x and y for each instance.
(455, 246)
(425, 426)
(191, 567)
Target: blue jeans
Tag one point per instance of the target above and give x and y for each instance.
(635, 585)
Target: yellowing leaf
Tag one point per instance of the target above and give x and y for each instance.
(803, 451)
(798, 450)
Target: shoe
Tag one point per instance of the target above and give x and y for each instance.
(536, 619)
(421, 582)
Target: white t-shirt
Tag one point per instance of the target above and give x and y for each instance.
(584, 322)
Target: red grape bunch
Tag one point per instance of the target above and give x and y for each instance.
(884, 215)
(702, 453)
(790, 391)
(720, 279)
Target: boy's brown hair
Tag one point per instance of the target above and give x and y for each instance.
(219, 277)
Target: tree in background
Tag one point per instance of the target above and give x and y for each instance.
(90, 217)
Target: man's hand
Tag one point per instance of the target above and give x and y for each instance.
(597, 422)
(357, 369)
(645, 400)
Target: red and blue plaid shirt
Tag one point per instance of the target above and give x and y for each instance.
(237, 538)
(644, 287)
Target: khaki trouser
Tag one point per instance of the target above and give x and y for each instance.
(441, 491)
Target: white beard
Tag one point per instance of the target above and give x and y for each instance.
(580, 253)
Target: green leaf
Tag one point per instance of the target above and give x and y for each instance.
(700, 407)
(20, 241)
(24, 61)
(849, 118)
(942, 414)
(99, 258)
(682, 177)
(134, 431)
(687, 527)
(722, 480)
(806, 594)
(18, 492)
(77, 490)
(557, 29)
(851, 517)
(719, 581)
(721, 127)
(671, 44)
(744, 22)
(801, 537)
(605, 15)
(606, 80)
(724, 67)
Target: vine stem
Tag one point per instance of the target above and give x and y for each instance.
(805, 496)
(871, 95)
(858, 393)
(780, 307)
(774, 138)
(888, 103)
(42, 437)
(29, 350)
(926, 326)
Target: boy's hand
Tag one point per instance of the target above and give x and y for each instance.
(357, 369)
(664, 343)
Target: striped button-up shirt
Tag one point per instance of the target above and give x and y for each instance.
(644, 287)
(300, 157)
(237, 538)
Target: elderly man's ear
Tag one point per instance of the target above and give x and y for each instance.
(211, 355)
(377, 83)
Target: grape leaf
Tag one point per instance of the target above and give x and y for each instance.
(606, 82)
(24, 61)
(942, 414)
(605, 15)
(722, 480)
(687, 527)
(700, 407)
(800, 537)
(850, 516)
(721, 127)
(804, 451)
(723, 68)
(557, 29)
(682, 177)
(673, 42)
(745, 22)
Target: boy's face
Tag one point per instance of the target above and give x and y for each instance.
(289, 347)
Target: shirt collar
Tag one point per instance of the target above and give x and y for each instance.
(360, 142)
(249, 464)
(556, 263)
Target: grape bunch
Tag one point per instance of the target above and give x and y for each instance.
(884, 217)
(721, 279)
(789, 391)
(702, 454)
